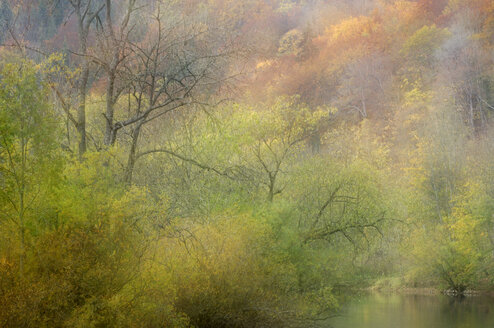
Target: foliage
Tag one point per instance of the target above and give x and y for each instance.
(354, 150)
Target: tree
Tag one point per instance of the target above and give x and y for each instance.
(464, 69)
(419, 54)
(86, 12)
(252, 147)
(276, 135)
(114, 48)
(364, 84)
(174, 66)
(333, 200)
(28, 146)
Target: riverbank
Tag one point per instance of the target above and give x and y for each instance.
(391, 310)
(397, 285)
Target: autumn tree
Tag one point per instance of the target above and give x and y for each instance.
(175, 66)
(28, 149)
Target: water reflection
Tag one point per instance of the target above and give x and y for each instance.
(416, 311)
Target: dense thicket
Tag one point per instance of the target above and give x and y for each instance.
(240, 163)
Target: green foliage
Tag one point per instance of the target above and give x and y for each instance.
(245, 214)
(336, 200)
(30, 160)
(29, 130)
(75, 276)
(234, 273)
(274, 137)
(419, 52)
(449, 243)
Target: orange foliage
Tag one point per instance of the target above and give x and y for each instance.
(354, 37)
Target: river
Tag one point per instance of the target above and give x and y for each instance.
(377, 310)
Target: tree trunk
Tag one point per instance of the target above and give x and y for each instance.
(109, 132)
(81, 113)
(21, 186)
(129, 170)
(81, 109)
(472, 122)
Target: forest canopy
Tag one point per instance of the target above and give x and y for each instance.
(240, 163)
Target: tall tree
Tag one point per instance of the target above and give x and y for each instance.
(86, 12)
(28, 146)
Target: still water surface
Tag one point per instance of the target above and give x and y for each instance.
(416, 311)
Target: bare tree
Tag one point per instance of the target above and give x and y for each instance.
(463, 67)
(163, 73)
(113, 50)
(364, 83)
(86, 12)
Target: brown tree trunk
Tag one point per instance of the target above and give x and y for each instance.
(129, 170)
(109, 131)
(81, 109)
(85, 16)
(81, 112)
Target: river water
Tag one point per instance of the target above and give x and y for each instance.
(416, 311)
